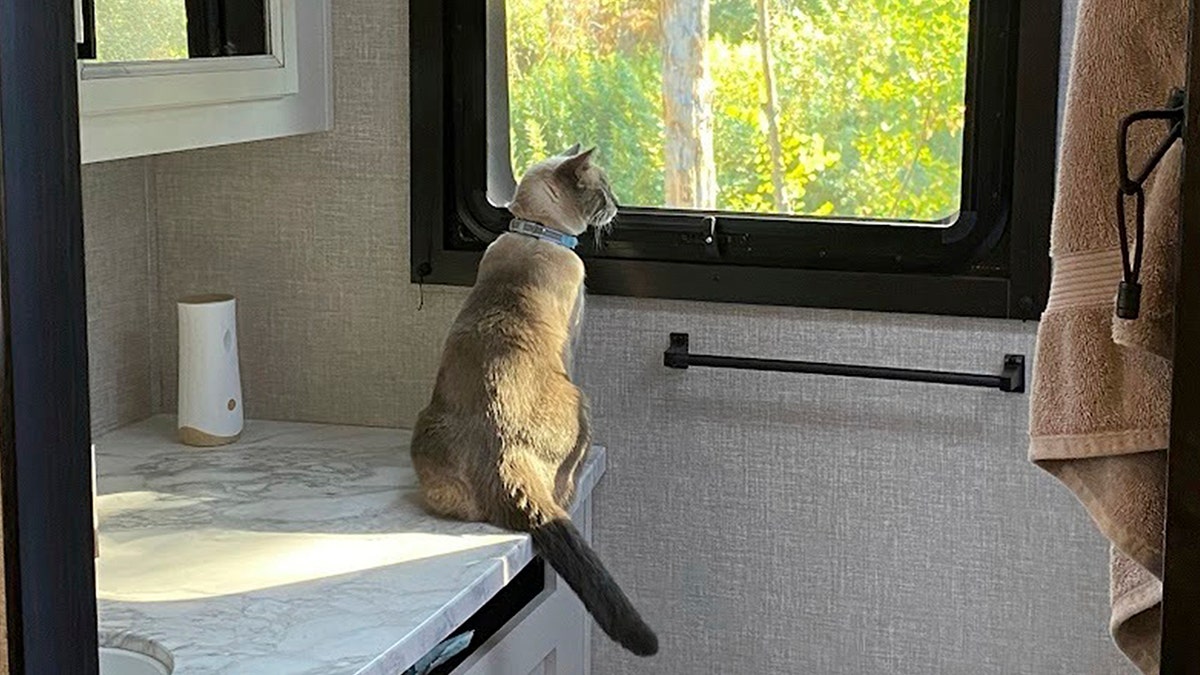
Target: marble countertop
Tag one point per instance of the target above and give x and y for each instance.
(302, 549)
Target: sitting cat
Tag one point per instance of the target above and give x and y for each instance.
(506, 429)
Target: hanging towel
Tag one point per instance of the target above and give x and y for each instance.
(1100, 407)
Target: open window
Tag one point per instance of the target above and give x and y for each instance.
(869, 154)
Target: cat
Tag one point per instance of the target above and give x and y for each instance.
(506, 429)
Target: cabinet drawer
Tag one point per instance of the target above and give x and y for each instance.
(548, 637)
(534, 626)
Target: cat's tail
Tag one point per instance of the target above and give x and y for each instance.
(568, 553)
(533, 508)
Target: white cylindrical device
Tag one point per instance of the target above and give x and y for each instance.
(210, 386)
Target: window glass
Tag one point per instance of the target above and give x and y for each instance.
(141, 30)
(836, 108)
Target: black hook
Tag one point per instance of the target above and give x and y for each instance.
(1129, 291)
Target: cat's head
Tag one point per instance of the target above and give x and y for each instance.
(566, 192)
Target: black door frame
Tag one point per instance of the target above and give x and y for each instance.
(44, 421)
(1181, 557)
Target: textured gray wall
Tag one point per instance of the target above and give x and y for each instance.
(310, 234)
(304, 232)
(119, 255)
(781, 523)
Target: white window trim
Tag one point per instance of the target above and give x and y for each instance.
(145, 108)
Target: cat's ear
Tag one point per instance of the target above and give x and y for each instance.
(570, 152)
(573, 166)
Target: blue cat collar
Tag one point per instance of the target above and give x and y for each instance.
(539, 231)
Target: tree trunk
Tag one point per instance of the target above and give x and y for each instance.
(691, 173)
(764, 41)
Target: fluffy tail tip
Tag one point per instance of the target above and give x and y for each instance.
(641, 641)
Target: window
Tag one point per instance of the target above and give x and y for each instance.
(167, 30)
(271, 78)
(870, 154)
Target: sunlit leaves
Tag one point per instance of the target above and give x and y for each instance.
(141, 30)
(870, 99)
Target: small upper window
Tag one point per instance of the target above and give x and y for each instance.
(848, 109)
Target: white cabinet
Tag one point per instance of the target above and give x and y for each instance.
(550, 636)
(130, 109)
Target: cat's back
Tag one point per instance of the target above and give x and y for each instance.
(506, 345)
(516, 318)
(522, 285)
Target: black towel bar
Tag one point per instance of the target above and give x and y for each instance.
(1010, 379)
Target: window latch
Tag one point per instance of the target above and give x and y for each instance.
(712, 249)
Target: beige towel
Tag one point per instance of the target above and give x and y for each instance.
(1101, 399)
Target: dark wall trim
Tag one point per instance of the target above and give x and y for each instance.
(1181, 559)
(44, 428)
(87, 48)
(1035, 152)
(226, 28)
(913, 294)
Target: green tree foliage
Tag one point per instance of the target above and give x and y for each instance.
(141, 30)
(870, 100)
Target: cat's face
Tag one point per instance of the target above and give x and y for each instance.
(567, 192)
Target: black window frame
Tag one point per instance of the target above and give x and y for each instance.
(226, 28)
(86, 47)
(992, 261)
